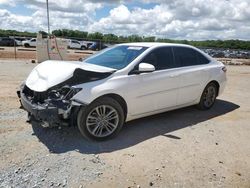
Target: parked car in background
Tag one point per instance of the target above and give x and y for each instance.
(97, 46)
(5, 41)
(29, 43)
(119, 84)
(227, 53)
(18, 42)
(89, 43)
(84, 45)
(75, 44)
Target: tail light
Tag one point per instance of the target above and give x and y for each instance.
(224, 69)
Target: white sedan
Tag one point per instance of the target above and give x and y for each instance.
(29, 43)
(119, 84)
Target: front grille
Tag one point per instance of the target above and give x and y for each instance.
(36, 97)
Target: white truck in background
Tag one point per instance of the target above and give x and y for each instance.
(75, 44)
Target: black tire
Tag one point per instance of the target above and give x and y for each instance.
(83, 48)
(207, 99)
(26, 45)
(87, 111)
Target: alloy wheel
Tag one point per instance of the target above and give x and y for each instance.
(210, 95)
(102, 121)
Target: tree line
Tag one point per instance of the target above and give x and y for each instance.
(112, 38)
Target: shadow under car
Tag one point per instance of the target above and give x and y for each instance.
(69, 138)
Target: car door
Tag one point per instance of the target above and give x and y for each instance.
(6, 42)
(78, 45)
(33, 42)
(149, 92)
(73, 44)
(193, 73)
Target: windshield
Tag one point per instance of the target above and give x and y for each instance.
(117, 57)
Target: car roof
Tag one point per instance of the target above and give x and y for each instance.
(154, 44)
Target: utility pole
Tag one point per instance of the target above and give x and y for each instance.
(47, 2)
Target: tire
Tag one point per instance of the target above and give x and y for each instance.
(208, 97)
(98, 127)
(26, 45)
(83, 48)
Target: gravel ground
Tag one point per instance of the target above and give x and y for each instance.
(181, 148)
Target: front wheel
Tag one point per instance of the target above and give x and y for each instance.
(208, 97)
(101, 120)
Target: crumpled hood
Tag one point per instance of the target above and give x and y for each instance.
(51, 73)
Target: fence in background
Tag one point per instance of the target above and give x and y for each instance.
(13, 49)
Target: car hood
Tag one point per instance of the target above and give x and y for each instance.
(53, 73)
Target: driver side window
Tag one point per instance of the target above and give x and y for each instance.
(162, 58)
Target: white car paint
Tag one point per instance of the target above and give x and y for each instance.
(18, 42)
(49, 73)
(75, 44)
(31, 42)
(146, 93)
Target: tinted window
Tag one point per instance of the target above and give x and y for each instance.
(117, 57)
(161, 58)
(188, 57)
(201, 59)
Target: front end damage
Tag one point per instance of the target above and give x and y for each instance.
(52, 108)
(48, 91)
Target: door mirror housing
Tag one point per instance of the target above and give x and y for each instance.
(146, 67)
(142, 68)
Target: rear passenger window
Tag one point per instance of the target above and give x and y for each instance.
(161, 58)
(188, 57)
(201, 59)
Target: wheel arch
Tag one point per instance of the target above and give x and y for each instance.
(217, 85)
(119, 99)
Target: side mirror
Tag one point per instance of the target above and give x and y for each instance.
(146, 67)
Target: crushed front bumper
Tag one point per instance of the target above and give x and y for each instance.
(47, 113)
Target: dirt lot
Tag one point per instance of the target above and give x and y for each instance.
(182, 148)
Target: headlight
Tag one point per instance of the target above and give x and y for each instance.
(64, 93)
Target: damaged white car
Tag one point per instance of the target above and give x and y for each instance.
(119, 84)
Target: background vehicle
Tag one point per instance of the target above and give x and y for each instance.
(5, 41)
(97, 46)
(74, 44)
(84, 45)
(29, 43)
(18, 42)
(89, 43)
(122, 83)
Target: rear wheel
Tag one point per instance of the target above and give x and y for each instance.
(208, 97)
(26, 45)
(101, 120)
